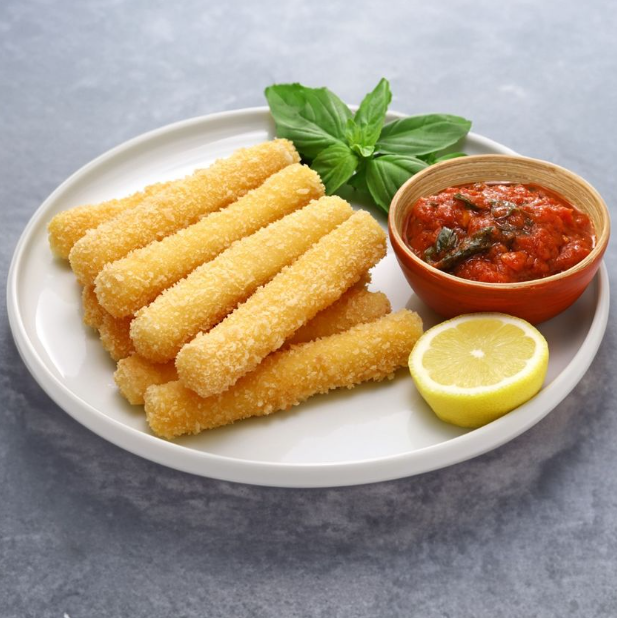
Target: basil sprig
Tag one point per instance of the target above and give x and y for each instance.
(359, 149)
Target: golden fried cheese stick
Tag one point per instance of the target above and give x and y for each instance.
(357, 306)
(135, 374)
(115, 336)
(181, 204)
(213, 289)
(68, 226)
(215, 360)
(114, 332)
(286, 378)
(93, 312)
(128, 284)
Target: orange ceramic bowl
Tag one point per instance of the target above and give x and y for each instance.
(536, 300)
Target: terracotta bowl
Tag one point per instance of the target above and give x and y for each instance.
(534, 301)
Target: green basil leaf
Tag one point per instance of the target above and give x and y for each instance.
(446, 240)
(355, 138)
(385, 175)
(335, 165)
(502, 209)
(480, 241)
(430, 158)
(363, 132)
(451, 155)
(358, 180)
(420, 135)
(435, 157)
(467, 201)
(313, 118)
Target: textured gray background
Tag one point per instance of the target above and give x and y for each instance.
(89, 530)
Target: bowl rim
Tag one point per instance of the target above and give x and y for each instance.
(601, 238)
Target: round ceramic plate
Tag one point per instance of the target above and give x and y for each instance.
(373, 433)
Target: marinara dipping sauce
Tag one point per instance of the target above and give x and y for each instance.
(498, 232)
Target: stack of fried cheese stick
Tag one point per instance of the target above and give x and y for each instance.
(237, 291)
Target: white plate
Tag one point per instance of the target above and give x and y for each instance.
(373, 433)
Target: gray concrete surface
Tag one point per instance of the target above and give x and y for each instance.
(88, 530)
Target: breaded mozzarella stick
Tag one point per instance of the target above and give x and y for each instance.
(134, 281)
(357, 306)
(215, 360)
(135, 374)
(93, 312)
(115, 336)
(286, 378)
(68, 226)
(114, 332)
(181, 204)
(213, 289)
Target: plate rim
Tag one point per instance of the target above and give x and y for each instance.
(285, 474)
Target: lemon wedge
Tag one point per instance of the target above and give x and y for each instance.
(475, 368)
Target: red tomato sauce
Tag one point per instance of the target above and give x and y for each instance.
(498, 232)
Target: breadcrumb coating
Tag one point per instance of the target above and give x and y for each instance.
(93, 312)
(357, 306)
(113, 332)
(215, 360)
(286, 378)
(213, 289)
(134, 281)
(135, 374)
(181, 204)
(68, 226)
(115, 336)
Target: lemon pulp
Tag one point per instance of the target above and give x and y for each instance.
(475, 368)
